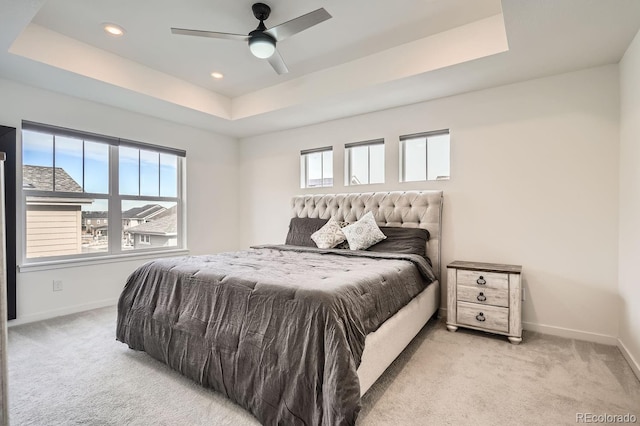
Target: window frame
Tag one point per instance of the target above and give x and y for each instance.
(403, 153)
(304, 167)
(348, 161)
(114, 221)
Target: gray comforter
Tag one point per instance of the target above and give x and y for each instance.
(278, 329)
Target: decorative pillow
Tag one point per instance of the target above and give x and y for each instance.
(329, 236)
(345, 244)
(403, 240)
(363, 233)
(300, 230)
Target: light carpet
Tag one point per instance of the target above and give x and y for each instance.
(71, 371)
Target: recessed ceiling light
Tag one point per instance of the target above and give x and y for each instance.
(113, 29)
(217, 75)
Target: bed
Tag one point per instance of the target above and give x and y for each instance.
(293, 333)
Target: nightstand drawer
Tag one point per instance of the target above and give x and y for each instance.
(485, 296)
(490, 318)
(483, 279)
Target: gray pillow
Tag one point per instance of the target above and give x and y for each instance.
(300, 230)
(403, 240)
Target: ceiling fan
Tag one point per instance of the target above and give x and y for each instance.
(262, 41)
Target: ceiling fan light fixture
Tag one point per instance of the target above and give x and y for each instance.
(262, 41)
(262, 46)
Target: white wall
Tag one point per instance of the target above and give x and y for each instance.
(211, 196)
(629, 273)
(534, 182)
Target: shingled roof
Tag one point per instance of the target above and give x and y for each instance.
(40, 178)
(145, 212)
(94, 214)
(166, 225)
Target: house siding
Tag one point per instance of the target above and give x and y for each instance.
(53, 232)
(155, 241)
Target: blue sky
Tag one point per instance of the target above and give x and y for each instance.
(141, 172)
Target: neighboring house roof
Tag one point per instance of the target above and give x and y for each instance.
(41, 178)
(171, 211)
(94, 214)
(166, 225)
(145, 212)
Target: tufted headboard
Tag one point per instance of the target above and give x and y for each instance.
(411, 209)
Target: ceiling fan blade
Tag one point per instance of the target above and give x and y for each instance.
(210, 34)
(277, 63)
(296, 25)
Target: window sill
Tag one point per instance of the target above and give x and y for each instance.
(74, 263)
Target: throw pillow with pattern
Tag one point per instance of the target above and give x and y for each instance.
(329, 236)
(364, 233)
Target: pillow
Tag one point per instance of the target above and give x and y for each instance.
(329, 236)
(345, 244)
(300, 230)
(403, 240)
(364, 233)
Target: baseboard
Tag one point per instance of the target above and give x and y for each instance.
(63, 311)
(635, 366)
(571, 333)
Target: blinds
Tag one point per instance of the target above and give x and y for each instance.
(314, 150)
(62, 131)
(364, 143)
(424, 134)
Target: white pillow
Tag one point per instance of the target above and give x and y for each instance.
(329, 236)
(364, 233)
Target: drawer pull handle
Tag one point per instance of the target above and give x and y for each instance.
(481, 297)
(480, 317)
(481, 281)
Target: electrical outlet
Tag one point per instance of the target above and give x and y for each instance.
(57, 285)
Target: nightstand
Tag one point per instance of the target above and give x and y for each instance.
(485, 296)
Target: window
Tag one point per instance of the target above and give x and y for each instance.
(316, 167)
(364, 162)
(87, 195)
(424, 156)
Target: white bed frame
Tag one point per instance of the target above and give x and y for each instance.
(410, 209)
